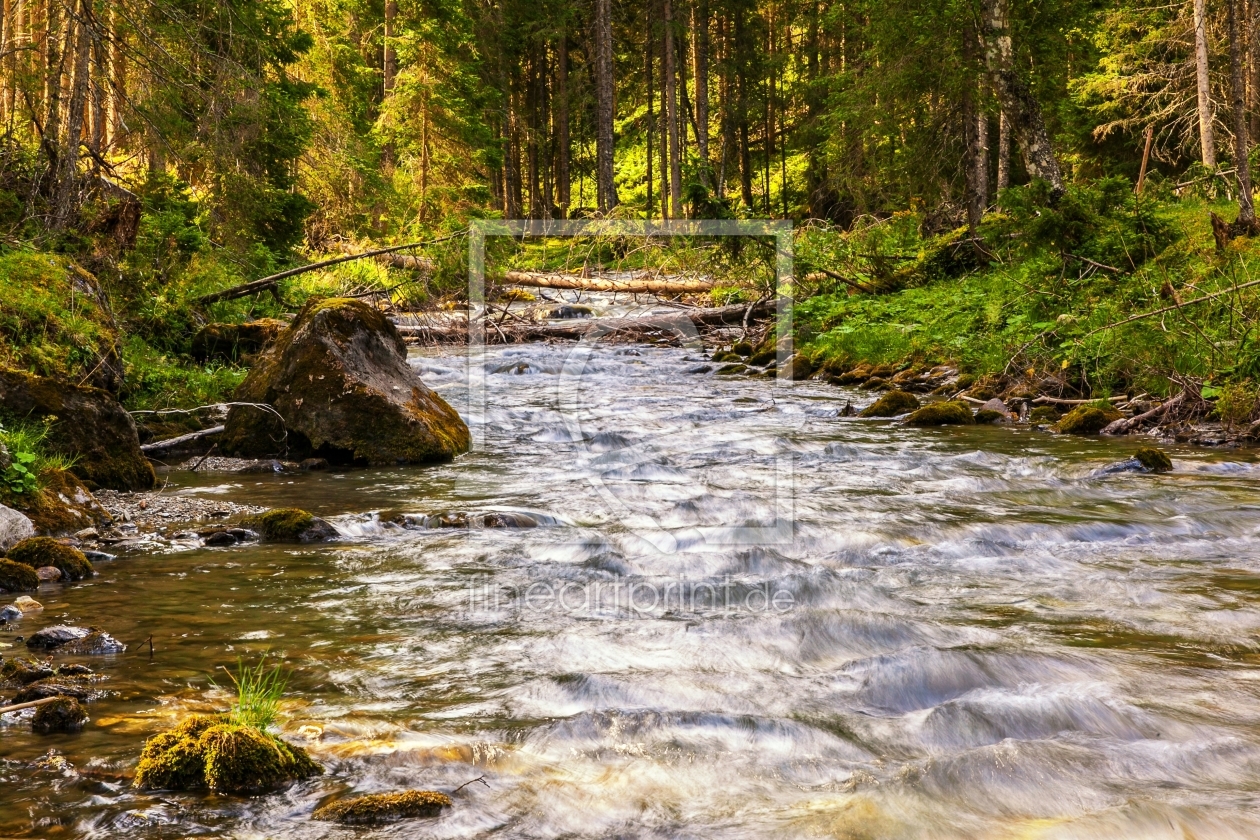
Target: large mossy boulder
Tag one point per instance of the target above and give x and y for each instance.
(1087, 420)
(380, 808)
(86, 424)
(340, 380)
(942, 414)
(38, 552)
(891, 404)
(233, 342)
(63, 506)
(212, 753)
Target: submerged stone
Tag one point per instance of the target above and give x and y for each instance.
(942, 414)
(63, 714)
(38, 552)
(380, 808)
(23, 670)
(891, 404)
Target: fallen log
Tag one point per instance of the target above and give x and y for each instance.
(176, 442)
(636, 285)
(1057, 401)
(403, 262)
(675, 323)
(1127, 424)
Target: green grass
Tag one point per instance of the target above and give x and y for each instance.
(30, 459)
(157, 379)
(258, 693)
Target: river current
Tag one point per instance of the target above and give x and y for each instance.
(738, 614)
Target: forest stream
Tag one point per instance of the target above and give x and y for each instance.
(736, 614)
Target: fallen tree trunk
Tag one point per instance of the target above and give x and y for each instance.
(678, 323)
(176, 442)
(636, 285)
(403, 262)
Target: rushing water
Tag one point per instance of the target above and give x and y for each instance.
(741, 615)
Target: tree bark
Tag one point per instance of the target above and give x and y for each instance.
(1246, 222)
(671, 114)
(976, 128)
(1018, 102)
(605, 105)
(563, 149)
(1207, 136)
(648, 75)
(118, 77)
(700, 73)
(66, 185)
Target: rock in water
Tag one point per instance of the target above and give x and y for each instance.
(90, 426)
(63, 714)
(291, 525)
(384, 807)
(38, 552)
(891, 404)
(942, 414)
(14, 527)
(1154, 460)
(16, 577)
(339, 377)
(1087, 420)
(77, 640)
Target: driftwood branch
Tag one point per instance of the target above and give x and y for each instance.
(1088, 261)
(635, 285)
(267, 283)
(4, 710)
(1058, 401)
(176, 442)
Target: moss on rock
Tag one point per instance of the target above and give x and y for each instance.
(61, 714)
(1087, 420)
(891, 404)
(37, 552)
(340, 380)
(763, 358)
(1044, 414)
(290, 525)
(208, 752)
(942, 414)
(1154, 460)
(23, 670)
(987, 416)
(63, 506)
(16, 577)
(378, 808)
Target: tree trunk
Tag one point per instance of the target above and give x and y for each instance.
(648, 73)
(54, 63)
(724, 96)
(605, 105)
(1018, 102)
(741, 107)
(1207, 137)
(671, 115)
(66, 185)
(976, 130)
(562, 126)
(6, 35)
(118, 77)
(100, 91)
(1004, 152)
(1238, 88)
(389, 63)
(700, 72)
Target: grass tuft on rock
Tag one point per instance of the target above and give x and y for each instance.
(1087, 420)
(212, 753)
(380, 808)
(1155, 460)
(942, 414)
(891, 404)
(16, 577)
(290, 525)
(37, 552)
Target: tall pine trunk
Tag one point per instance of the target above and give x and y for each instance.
(66, 184)
(1207, 137)
(1018, 102)
(1004, 152)
(648, 75)
(671, 114)
(1238, 90)
(700, 73)
(604, 107)
(563, 147)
